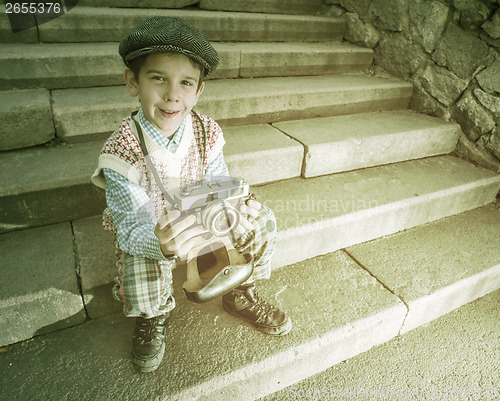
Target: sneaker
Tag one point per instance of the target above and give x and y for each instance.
(245, 303)
(148, 342)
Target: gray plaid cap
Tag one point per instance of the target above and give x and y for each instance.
(172, 35)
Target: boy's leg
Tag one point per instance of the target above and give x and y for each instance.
(145, 288)
(260, 243)
(244, 301)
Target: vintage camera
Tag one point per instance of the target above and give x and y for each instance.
(213, 202)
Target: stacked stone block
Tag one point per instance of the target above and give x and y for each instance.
(449, 50)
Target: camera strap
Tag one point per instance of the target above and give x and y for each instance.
(149, 162)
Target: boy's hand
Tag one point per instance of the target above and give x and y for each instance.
(249, 210)
(177, 236)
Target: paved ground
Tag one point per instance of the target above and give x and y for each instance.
(456, 357)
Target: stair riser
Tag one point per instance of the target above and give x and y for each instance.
(350, 142)
(50, 206)
(438, 267)
(301, 7)
(95, 65)
(7, 36)
(445, 300)
(364, 226)
(305, 106)
(37, 203)
(138, 3)
(111, 25)
(260, 154)
(378, 151)
(27, 119)
(72, 202)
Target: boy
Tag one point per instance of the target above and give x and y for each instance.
(167, 60)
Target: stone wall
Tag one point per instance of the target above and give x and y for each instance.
(449, 50)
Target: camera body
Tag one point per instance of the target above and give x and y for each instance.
(213, 202)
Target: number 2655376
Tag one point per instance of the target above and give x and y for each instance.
(32, 8)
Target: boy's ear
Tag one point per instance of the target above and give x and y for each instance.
(131, 82)
(200, 92)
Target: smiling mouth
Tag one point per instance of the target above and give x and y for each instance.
(169, 114)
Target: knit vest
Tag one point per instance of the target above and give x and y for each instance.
(122, 153)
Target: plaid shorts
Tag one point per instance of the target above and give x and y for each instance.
(145, 285)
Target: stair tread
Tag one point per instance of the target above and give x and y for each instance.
(70, 50)
(338, 309)
(243, 353)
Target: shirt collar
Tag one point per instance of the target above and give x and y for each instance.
(158, 137)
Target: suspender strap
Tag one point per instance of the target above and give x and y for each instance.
(149, 162)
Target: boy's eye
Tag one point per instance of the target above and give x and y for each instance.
(187, 83)
(158, 78)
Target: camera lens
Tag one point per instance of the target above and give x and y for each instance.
(221, 219)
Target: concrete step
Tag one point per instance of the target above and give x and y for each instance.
(344, 143)
(417, 365)
(302, 7)
(40, 290)
(138, 3)
(310, 213)
(39, 188)
(25, 36)
(78, 65)
(88, 24)
(438, 267)
(339, 306)
(18, 131)
(236, 102)
(370, 203)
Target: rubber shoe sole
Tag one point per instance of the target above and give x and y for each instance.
(148, 365)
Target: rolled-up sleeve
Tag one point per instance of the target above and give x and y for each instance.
(133, 215)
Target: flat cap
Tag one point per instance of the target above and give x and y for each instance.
(170, 35)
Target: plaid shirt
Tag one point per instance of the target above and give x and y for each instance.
(131, 208)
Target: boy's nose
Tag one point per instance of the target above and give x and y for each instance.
(171, 94)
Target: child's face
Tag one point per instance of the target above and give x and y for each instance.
(167, 87)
